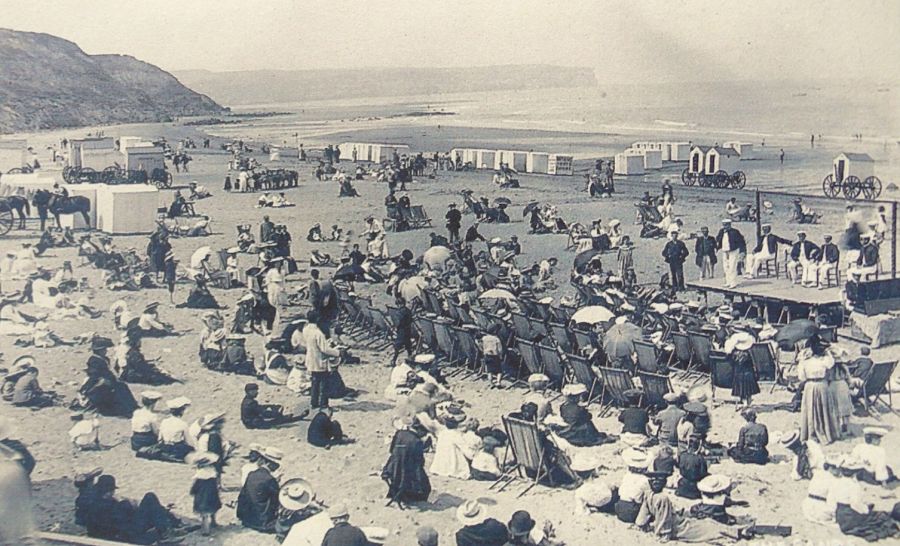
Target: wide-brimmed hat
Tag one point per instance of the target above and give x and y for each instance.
(151, 395)
(424, 359)
(375, 535)
(296, 494)
(20, 366)
(471, 512)
(521, 523)
(87, 475)
(339, 510)
(714, 484)
(874, 431)
(574, 389)
(272, 454)
(151, 307)
(695, 408)
(672, 397)
(595, 494)
(635, 458)
(740, 341)
(211, 419)
(585, 461)
(177, 403)
(790, 439)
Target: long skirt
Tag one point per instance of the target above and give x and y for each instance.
(819, 414)
(872, 526)
(627, 511)
(840, 390)
(142, 439)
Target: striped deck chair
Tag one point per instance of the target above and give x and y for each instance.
(530, 356)
(529, 306)
(465, 316)
(615, 382)
(543, 311)
(764, 362)
(583, 338)
(530, 461)
(434, 302)
(480, 318)
(522, 326)
(560, 335)
(876, 385)
(363, 332)
(383, 330)
(553, 366)
(647, 356)
(538, 327)
(721, 372)
(701, 347)
(418, 217)
(350, 313)
(452, 312)
(584, 374)
(655, 386)
(446, 341)
(427, 336)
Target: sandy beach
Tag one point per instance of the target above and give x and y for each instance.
(351, 472)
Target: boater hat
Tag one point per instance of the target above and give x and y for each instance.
(471, 512)
(789, 439)
(634, 458)
(177, 403)
(574, 389)
(874, 431)
(375, 535)
(714, 484)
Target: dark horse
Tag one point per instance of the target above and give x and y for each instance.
(46, 201)
(21, 206)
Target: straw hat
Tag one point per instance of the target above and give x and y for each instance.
(714, 484)
(178, 403)
(659, 308)
(585, 461)
(656, 337)
(790, 439)
(574, 389)
(496, 241)
(874, 431)
(211, 419)
(338, 511)
(375, 535)
(537, 379)
(233, 250)
(595, 494)
(546, 300)
(151, 396)
(671, 397)
(696, 408)
(635, 458)
(615, 222)
(424, 359)
(471, 512)
(768, 332)
(740, 341)
(296, 494)
(273, 454)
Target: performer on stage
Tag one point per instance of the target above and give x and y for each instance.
(766, 249)
(731, 242)
(803, 254)
(829, 257)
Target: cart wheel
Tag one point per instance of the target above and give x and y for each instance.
(6, 219)
(828, 186)
(872, 187)
(109, 175)
(686, 177)
(67, 174)
(852, 187)
(720, 179)
(738, 180)
(15, 170)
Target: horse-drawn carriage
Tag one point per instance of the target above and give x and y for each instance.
(7, 220)
(116, 174)
(853, 175)
(709, 167)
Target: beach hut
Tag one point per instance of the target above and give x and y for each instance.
(145, 157)
(847, 164)
(486, 159)
(78, 145)
(126, 142)
(719, 158)
(126, 208)
(652, 159)
(514, 159)
(665, 150)
(560, 164)
(13, 154)
(538, 163)
(629, 163)
(28, 183)
(697, 161)
(100, 158)
(679, 151)
(745, 149)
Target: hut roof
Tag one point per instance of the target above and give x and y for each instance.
(857, 157)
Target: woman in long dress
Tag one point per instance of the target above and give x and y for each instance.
(839, 388)
(818, 408)
(404, 471)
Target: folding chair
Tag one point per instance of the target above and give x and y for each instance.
(530, 307)
(615, 382)
(468, 348)
(583, 338)
(560, 335)
(522, 326)
(701, 347)
(563, 313)
(530, 357)
(721, 372)
(480, 318)
(647, 356)
(683, 354)
(427, 336)
(543, 311)
(451, 312)
(655, 386)
(465, 317)
(434, 302)
(553, 367)
(876, 385)
(538, 327)
(764, 362)
(530, 460)
(446, 341)
(584, 374)
(382, 328)
(419, 218)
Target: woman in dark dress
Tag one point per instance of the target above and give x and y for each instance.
(745, 384)
(753, 439)
(693, 468)
(579, 429)
(205, 490)
(136, 368)
(102, 391)
(404, 471)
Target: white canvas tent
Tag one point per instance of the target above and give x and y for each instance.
(679, 151)
(13, 154)
(129, 208)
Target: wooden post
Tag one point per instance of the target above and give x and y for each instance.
(894, 240)
(759, 215)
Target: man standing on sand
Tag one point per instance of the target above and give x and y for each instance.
(454, 222)
(731, 242)
(705, 253)
(317, 349)
(675, 253)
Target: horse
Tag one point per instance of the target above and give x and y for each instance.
(20, 204)
(46, 201)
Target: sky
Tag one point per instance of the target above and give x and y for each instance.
(624, 41)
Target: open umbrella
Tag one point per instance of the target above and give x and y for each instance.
(797, 330)
(582, 259)
(349, 272)
(199, 255)
(534, 205)
(502, 201)
(497, 294)
(619, 340)
(592, 314)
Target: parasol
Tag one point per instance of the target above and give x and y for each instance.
(582, 259)
(497, 294)
(349, 272)
(592, 314)
(534, 205)
(797, 330)
(436, 256)
(619, 340)
(502, 201)
(199, 255)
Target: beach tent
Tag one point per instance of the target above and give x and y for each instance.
(145, 157)
(722, 159)
(288, 153)
(538, 163)
(846, 164)
(560, 164)
(13, 154)
(126, 208)
(744, 149)
(629, 163)
(679, 151)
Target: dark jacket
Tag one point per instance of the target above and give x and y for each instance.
(868, 256)
(735, 239)
(675, 252)
(490, 532)
(804, 248)
(344, 534)
(257, 504)
(705, 246)
(770, 242)
(829, 253)
(454, 218)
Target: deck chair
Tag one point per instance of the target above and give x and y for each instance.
(583, 338)
(538, 327)
(434, 302)
(383, 329)
(683, 354)
(876, 385)
(451, 312)
(427, 336)
(582, 372)
(529, 306)
(701, 347)
(563, 313)
(480, 318)
(764, 362)
(522, 326)
(647, 356)
(615, 382)
(828, 333)
(553, 366)
(655, 386)
(544, 312)
(465, 317)
(530, 460)
(560, 335)
(418, 217)
(468, 349)
(446, 341)
(721, 372)
(530, 356)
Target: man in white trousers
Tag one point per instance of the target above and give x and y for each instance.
(731, 244)
(803, 254)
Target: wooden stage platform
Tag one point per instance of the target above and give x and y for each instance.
(770, 295)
